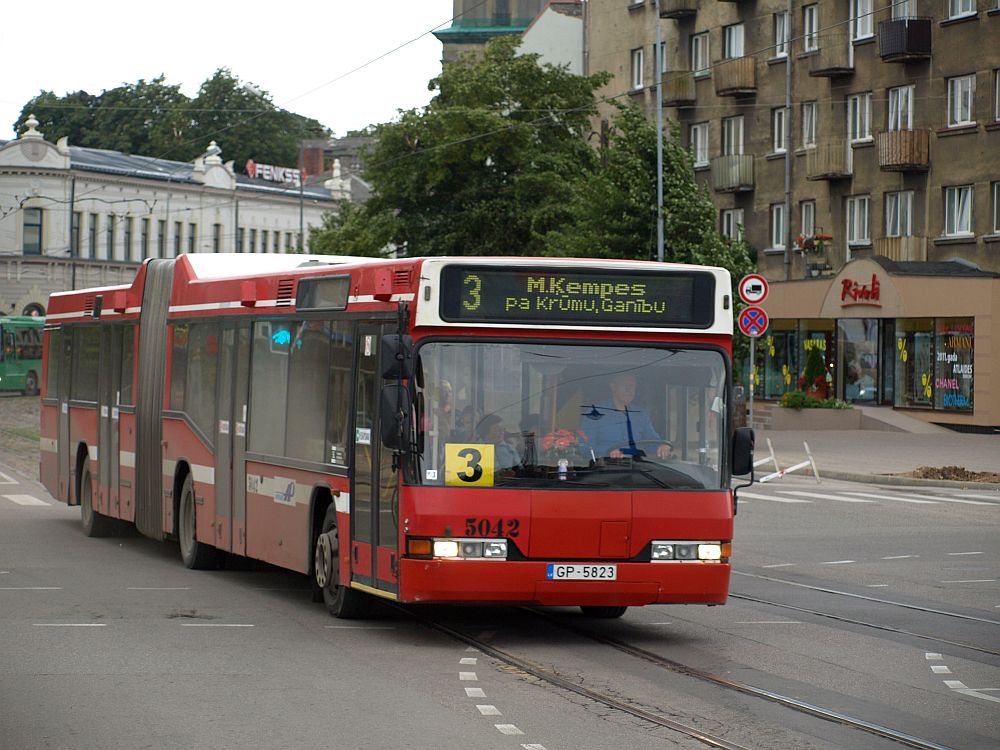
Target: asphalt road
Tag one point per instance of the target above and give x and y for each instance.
(879, 604)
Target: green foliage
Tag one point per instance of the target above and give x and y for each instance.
(800, 400)
(815, 369)
(151, 118)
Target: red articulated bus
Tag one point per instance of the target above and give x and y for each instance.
(488, 430)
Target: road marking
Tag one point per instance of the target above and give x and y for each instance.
(982, 497)
(900, 557)
(974, 580)
(767, 622)
(487, 710)
(779, 565)
(215, 625)
(960, 687)
(26, 500)
(957, 554)
(877, 585)
(7, 479)
(940, 669)
(508, 729)
(468, 677)
(838, 562)
(756, 496)
(158, 588)
(894, 497)
(660, 623)
(360, 627)
(944, 499)
(31, 588)
(70, 624)
(533, 746)
(931, 656)
(468, 660)
(475, 693)
(826, 496)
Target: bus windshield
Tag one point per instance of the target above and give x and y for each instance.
(570, 416)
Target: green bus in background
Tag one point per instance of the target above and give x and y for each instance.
(21, 353)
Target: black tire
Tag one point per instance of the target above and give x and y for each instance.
(196, 555)
(31, 383)
(603, 613)
(94, 524)
(343, 602)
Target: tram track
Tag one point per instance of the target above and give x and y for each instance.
(548, 676)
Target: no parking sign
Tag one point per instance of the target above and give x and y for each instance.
(753, 321)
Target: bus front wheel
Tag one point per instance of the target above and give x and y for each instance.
(603, 613)
(94, 524)
(343, 602)
(196, 555)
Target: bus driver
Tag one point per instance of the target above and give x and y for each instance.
(615, 427)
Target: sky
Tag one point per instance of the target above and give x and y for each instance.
(301, 53)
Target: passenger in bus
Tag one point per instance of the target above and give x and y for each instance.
(491, 430)
(465, 425)
(531, 432)
(617, 428)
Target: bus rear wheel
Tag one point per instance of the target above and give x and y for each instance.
(343, 602)
(196, 555)
(603, 613)
(31, 384)
(94, 524)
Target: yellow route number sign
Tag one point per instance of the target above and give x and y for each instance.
(468, 464)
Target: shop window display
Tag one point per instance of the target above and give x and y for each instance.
(914, 381)
(953, 361)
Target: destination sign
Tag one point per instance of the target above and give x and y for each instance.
(488, 294)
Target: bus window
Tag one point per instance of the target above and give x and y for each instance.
(86, 357)
(272, 342)
(308, 368)
(128, 365)
(201, 374)
(338, 409)
(54, 363)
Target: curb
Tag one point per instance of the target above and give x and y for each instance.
(892, 479)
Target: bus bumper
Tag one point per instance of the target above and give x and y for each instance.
(527, 583)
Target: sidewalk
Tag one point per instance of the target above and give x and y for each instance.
(877, 456)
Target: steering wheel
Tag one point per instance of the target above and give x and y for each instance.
(636, 449)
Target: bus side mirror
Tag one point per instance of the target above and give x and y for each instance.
(394, 417)
(397, 357)
(743, 443)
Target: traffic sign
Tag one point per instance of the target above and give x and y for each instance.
(753, 321)
(753, 289)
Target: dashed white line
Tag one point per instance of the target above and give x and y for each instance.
(974, 580)
(70, 624)
(943, 499)
(940, 669)
(959, 554)
(900, 557)
(838, 562)
(469, 660)
(757, 496)
(508, 729)
(825, 496)
(25, 500)
(767, 622)
(877, 585)
(7, 479)
(487, 710)
(475, 693)
(779, 565)
(215, 625)
(533, 746)
(468, 676)
(158, 588)
(894, 497)
(31, 588)
(932, 656)
(360, 627)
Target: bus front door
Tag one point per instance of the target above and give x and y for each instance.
(231, 438)
(374, 495)
(108, 395)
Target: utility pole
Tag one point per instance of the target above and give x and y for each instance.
(788, 143)
(658, 59)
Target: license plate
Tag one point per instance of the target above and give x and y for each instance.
(557, 572)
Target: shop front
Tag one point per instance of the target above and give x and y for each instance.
(912, 336)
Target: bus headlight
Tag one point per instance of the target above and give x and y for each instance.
(685, 551)
(457, 549)
(445, 548)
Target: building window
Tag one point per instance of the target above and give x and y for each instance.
(662, 58)
(859, 117)
(810, 25)
(954, 358)
(178, 237)
(127, 239)
(698, 142)
(898, 214)
(731, 222)
(144, 239)
(861, 19)
(192, 237)
(217, 238)
(996, 207)
(807, 227)
(637, 63)
(777, 225)
(961, 92)
(253, 241)
(782, 32)
(92, 236)
(74, 234)
(732, 41)
(732, 135)
(901, 108)
(858, 232)
(958, 211)
(241, 239)
(960, 8)
(996, 90)
(700, 60)
(161, 239)
(265, 238)
(778, 130)
(110, 235)
(288, 242)
(809, 124)
(276, 238)
(31, 243)
(903, 8)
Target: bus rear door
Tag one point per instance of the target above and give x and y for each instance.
(231, 438)
(374, 495)
(108, 390)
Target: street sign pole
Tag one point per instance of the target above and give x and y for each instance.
(752, 364)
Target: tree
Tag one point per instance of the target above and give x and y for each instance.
(486, 168)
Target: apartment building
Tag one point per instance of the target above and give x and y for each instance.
(857, 145)
(475, 22)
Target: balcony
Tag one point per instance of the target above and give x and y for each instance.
(828, 161)
(678, 88)
(901, 248)
(736, 77)
(904, 150)
(678, 8)
(732, 173)
(833, 58)
(904, 39)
